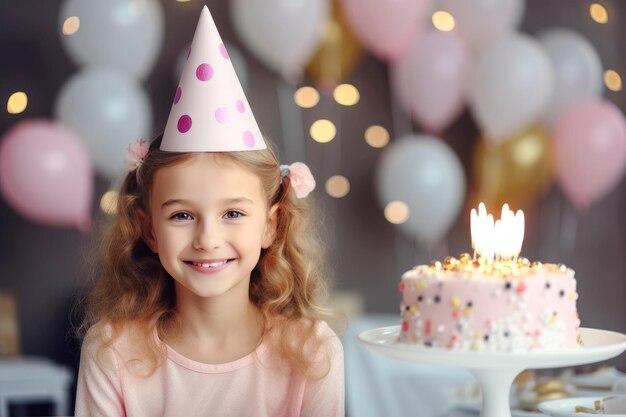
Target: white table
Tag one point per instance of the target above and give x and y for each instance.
(27, 379)
(380, 386)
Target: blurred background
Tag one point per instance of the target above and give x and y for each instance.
(408, 112)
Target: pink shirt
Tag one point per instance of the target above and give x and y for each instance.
(181, 387)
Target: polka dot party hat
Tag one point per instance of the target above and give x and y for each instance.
(210, 112)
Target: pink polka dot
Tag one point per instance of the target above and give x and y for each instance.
(204, 72)
(248, 139)
(184, 123)
(222, 115)
(177, 96)
(223, 51)
(240, 106)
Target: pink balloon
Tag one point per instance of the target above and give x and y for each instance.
(46, 174)
(386, 27)
(590, 151)
(429, 80)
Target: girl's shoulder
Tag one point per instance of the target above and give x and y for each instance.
(329, 339)
(122, 340)
(320, 340)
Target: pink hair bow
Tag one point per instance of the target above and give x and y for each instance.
(136, 153)
(300, 177)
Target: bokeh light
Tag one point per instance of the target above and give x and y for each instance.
(17, 102)
(443, 21)
(397, 212)
(598, 13)
(71, 25)
(338, 186)
(306, 97)
(323, 131)
(612, 80)
(346, 94)
(376, 136)
(108, 202)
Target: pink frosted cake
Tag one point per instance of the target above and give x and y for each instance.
(505, 306)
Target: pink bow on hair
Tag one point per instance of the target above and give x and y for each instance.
(300, 177)
(136, 153)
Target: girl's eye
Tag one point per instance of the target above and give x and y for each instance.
(233, 214)
(182, 216)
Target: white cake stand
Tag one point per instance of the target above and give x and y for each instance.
(495, 371)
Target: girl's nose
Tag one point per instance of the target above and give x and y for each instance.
(208, 236)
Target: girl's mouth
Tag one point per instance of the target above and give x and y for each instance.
(209, 266)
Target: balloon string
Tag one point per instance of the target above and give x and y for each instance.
(568, 232)
(437, 251)
(291, 122)
(549, 228)
(404, 257)
(401, 123)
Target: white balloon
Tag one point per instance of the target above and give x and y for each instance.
(108, 110)
(425, 174)
(234, 54)
(125, 34)
(283, 34)
(480, 22)
(577, 69)
(510, 86)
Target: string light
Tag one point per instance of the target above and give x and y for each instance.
(306, 97)
(71, 25)
(17, 102)
(346, 94)
(376, 136)
(397, 212)
(598, 13)
(108, 202)
(338, 186)
(443, 21)
(323, 131)
(612, 80)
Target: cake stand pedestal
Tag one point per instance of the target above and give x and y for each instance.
(495, 371)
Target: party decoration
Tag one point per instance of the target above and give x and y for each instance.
(577, 69)
(386, 27)
(590, 150)
(210, 112)
(510, 87)
(46, 174)
(338, 53)
(283, 34)
(480, 22)
(235, 55)
(429, 79)
(518, 171)
(426, 175)
(108, 110)
(123, 34)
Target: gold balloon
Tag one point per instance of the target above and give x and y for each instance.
(338, 54)
(518, 171)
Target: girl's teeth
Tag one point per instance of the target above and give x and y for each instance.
(209, 265)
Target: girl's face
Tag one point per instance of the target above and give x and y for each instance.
(209, 221)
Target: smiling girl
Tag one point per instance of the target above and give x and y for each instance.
(207, 304)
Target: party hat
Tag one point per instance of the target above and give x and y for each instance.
(210, 112)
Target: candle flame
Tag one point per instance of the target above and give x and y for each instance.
(499, 240)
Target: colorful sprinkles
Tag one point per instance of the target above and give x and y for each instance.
(509, 326)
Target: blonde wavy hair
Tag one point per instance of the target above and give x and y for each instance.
(287, 285)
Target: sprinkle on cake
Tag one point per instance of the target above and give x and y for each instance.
(492, 301)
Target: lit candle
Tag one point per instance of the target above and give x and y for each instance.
(500, 240)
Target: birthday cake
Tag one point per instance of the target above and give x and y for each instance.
(494, 301)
